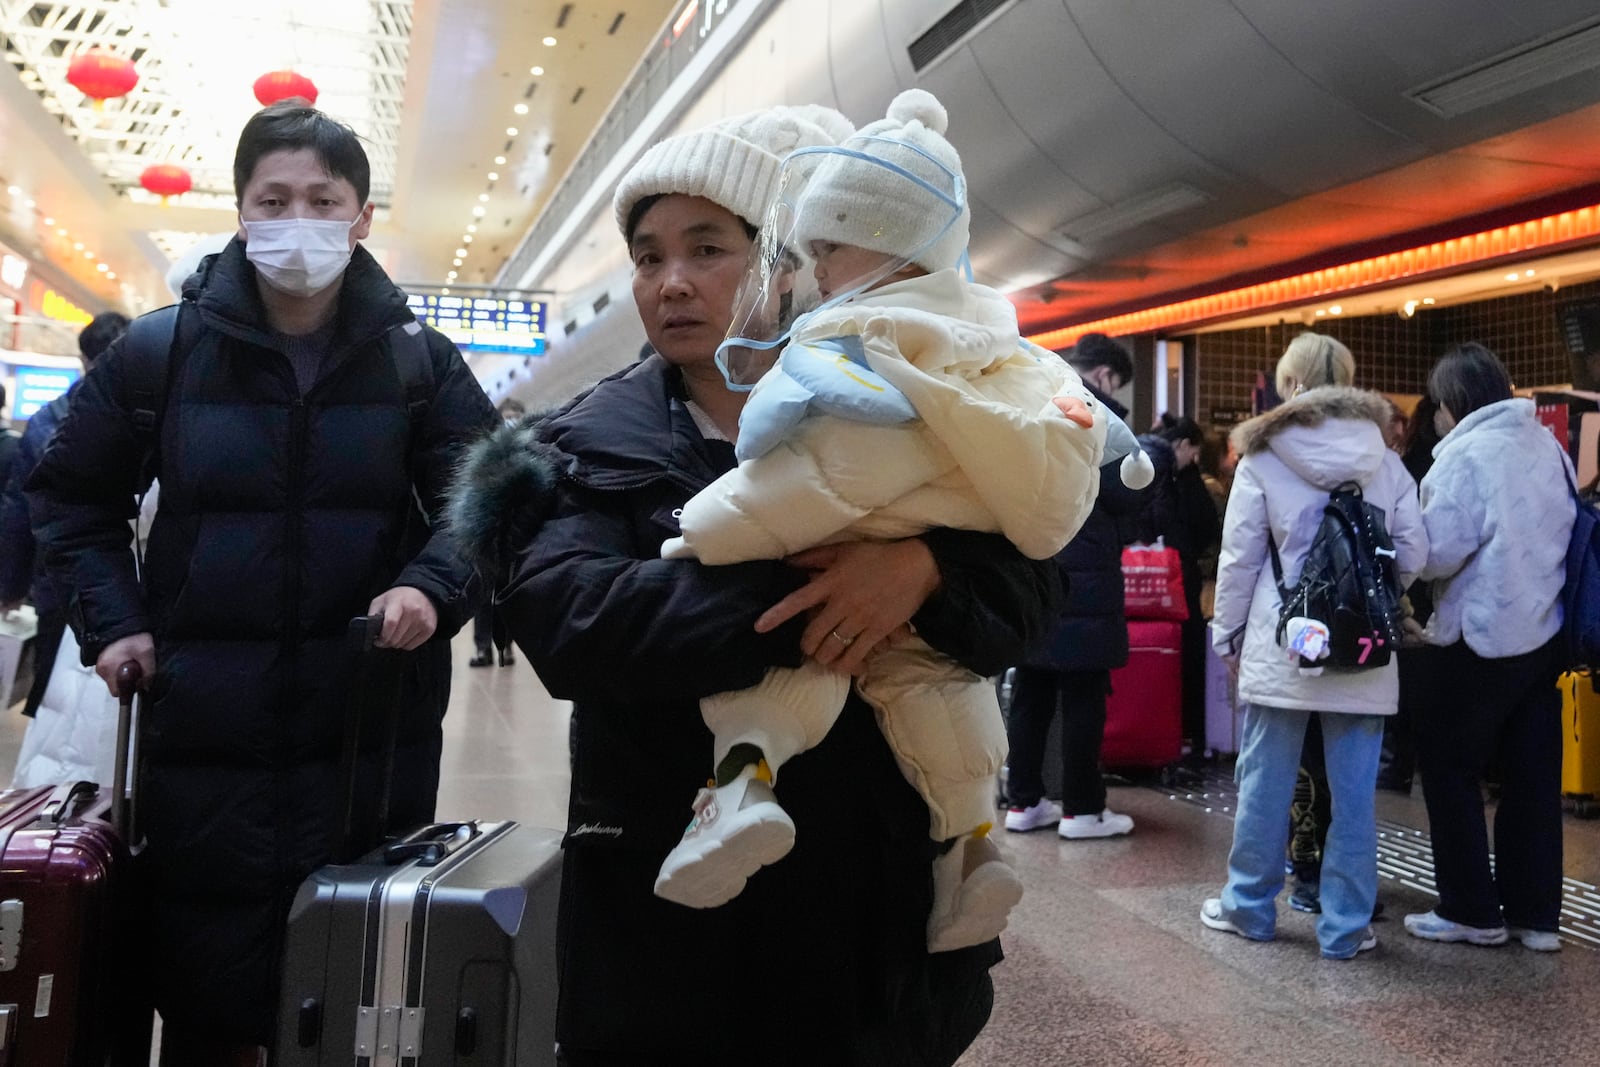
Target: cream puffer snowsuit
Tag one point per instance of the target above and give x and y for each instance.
(988, 451)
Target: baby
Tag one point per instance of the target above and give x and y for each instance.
(906, 401)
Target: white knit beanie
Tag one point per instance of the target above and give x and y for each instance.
(734, 163)
(856, 202)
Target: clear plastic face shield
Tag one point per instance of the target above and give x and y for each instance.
(846, 220)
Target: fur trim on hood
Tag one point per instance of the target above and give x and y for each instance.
(1310, 408)
(503, 491)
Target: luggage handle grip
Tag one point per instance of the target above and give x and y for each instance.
(364, 631)
(63, 802)
(432, 844)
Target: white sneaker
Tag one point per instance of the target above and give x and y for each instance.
(971, 908)
(1368, 942)
(1538, 940)
(1212, 917)
(1045, 813)
(1431, 926)
(1107, 824)
(737, 829)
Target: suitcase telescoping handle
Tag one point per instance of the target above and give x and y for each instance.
(129, 677)
(377, 684)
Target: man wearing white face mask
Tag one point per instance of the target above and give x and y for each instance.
(303, 427)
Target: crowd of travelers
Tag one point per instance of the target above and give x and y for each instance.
(321, 455)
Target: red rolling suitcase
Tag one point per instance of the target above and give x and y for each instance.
(70, 989)
(1144, 713)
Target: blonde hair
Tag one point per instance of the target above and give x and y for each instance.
(1312, 360)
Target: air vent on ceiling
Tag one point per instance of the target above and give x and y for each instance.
(577, 95)
(948, 32)
(561, 19)
(571, 327)
(528, 95)
(1518, 70)
(616, 24)
(1096, 226)
(602, 302)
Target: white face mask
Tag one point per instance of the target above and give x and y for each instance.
(299, 256)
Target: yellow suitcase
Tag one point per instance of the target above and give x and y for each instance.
(1580, 745)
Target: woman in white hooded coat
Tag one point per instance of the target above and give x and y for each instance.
(1326, 435)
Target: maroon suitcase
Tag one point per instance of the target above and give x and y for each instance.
(1144, 713)
(70, 992)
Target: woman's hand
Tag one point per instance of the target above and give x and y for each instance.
(860, 594)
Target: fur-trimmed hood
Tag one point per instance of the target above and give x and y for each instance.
(1310, 408)
(503, 491)
(1328, 436)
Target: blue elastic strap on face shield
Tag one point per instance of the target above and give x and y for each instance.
(745, 342)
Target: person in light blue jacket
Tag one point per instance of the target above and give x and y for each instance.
(1499, 515)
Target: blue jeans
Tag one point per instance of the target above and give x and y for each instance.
(1269, 757)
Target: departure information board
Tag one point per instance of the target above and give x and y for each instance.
(37, 386)
(484, 323)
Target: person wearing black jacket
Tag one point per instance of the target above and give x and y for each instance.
(1069, 666)
(1182, 513)
(300, 463)
(822, 958)
(22, 571)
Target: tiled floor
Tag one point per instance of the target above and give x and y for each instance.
(1107, 962)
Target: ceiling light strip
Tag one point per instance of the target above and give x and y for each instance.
(1582, 224)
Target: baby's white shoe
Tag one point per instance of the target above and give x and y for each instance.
(974, 890)
(737, 829)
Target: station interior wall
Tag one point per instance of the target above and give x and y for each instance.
(1393, 354)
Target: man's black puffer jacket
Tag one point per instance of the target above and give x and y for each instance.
(825, 947)
(280, 518)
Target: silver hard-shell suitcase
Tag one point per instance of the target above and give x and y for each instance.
(436, 949)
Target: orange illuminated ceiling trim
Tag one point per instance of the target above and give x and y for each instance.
(1451, 255)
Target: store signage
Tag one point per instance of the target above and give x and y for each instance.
(52, 305)
(37, 386)
(485, 324)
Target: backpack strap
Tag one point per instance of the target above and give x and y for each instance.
(1277, 565)
(154, 346)
(408, 346)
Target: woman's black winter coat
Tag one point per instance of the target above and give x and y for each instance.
(824, 952)
(1090, 629)
(280, 518)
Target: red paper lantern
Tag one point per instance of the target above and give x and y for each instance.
(283, 84)
(102, 75)
(166, 180)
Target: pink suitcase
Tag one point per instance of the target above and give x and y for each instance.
(1144, 713)
(70, 987)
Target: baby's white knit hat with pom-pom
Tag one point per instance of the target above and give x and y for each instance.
(734, 163)
(855, 201)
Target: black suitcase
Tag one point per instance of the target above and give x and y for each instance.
(437, 949)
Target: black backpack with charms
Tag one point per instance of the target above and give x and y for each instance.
(1348, 583)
